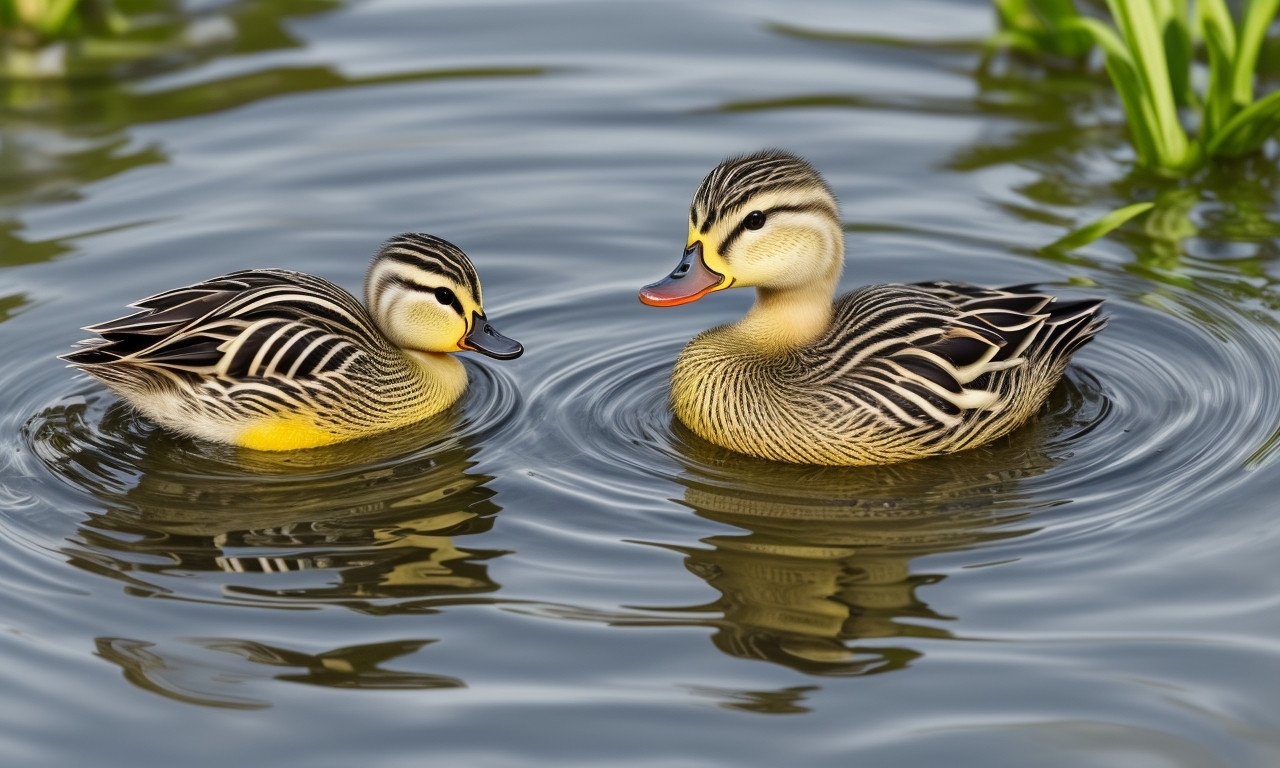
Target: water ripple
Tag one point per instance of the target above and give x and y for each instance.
(381, 513)
(1164, 403)
(818, 570)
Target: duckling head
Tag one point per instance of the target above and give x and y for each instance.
(424, 294)
(766, 220)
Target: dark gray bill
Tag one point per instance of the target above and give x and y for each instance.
(486, 340)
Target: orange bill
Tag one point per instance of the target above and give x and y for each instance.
(689, 281)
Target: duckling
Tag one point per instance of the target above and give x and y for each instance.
(884, 374)
(279, 360)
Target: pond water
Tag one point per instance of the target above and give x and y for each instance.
(553, 572)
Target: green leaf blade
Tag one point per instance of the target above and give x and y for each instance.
(1258, 15)
(1138, 23)
(1220, 43)
(1178, 53)
(1099, 228)
(1248, 129)
(1128, 83)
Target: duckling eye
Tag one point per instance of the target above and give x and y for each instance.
(754, 220)
(445, 297)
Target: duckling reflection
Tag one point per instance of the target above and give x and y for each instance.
(821, 575)
(382, 514)
(183, 671)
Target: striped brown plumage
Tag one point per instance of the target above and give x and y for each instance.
(882, 385)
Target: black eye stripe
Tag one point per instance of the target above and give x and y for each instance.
(767, 212)
(408, 284)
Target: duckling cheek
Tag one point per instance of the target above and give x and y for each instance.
(785, 258)
(426, 328)
(767, 260)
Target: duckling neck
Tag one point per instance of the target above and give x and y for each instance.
(783, 319)
(443, 376)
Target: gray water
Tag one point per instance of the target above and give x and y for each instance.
(553, 572)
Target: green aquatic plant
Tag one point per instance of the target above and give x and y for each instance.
(1041, 26)
(1235, 124)
(1150, 57)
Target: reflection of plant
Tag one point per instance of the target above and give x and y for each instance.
(31, 22)
(42, 39)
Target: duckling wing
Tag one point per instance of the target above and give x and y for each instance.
(1029, 323)
(922, 355)
(248, 324)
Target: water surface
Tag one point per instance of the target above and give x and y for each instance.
(554, 572)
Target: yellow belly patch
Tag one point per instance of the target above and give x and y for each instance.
(284, 435)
